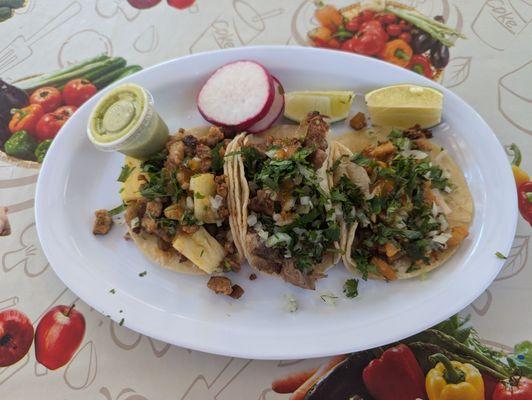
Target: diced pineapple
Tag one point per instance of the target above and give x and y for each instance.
(130, 188)
(204, 189)
(201, 248)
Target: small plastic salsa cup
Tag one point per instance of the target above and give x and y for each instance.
(125, 120)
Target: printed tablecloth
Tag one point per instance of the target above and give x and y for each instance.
(491, 69)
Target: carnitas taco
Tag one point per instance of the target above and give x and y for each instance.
(285, 220)
(403, 203)
(178, 204)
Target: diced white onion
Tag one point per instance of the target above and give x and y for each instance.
(119, 219)
(435, 209)
(135, 222)
(278, 237)
(441, 202)
(442, 238)
(276, 217)
(443, 222)
(216, 202)
(303, 209)
(262, 234)
(299, 231)
(304, 200)
(252, 219)
(271, 153)
(415, 154)
(189, 202)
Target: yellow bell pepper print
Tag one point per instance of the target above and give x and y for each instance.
(452, 380)
(520, 175)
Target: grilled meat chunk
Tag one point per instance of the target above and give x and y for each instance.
(102, 222)
(266, 259)
(220, 285)
(262, 203)
(297, 277)
(358, 122)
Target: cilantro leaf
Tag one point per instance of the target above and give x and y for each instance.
(117, 210)
(351, 288)
(217, 165)
(124, 173)
(500, 255)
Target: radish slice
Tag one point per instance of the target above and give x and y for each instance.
(276, 110)
(237, 95)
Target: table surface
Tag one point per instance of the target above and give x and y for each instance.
(492, 70)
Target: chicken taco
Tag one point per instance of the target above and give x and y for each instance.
(282, 209)
(403, 204)
(178, 201)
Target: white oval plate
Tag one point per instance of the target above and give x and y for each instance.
(76, 179)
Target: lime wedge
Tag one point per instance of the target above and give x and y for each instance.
(403, 106)
(334, 104)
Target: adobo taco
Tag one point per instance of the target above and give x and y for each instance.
(403, 204)
(283, 211)
(178, 204)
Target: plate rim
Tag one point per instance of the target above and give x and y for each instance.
(236, 351)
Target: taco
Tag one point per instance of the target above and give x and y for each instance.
(403, 203)
(283, 211)
(178, 204)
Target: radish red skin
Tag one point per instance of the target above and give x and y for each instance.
(143, 4)
(247, 120)
(276, 110)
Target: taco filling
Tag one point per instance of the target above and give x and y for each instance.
(179, 197)
(289, 229)
(400, 211)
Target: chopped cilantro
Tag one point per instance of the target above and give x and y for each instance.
(117, 210)
(124, 173)
(351, 288)
(217, 164)
(348, 195)
(500, 255)
(361, 258)
(275, 171)
(413, 268)
(311, 233)
(198, 195)
(143, 273)
(121, 322)
(112, 291)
